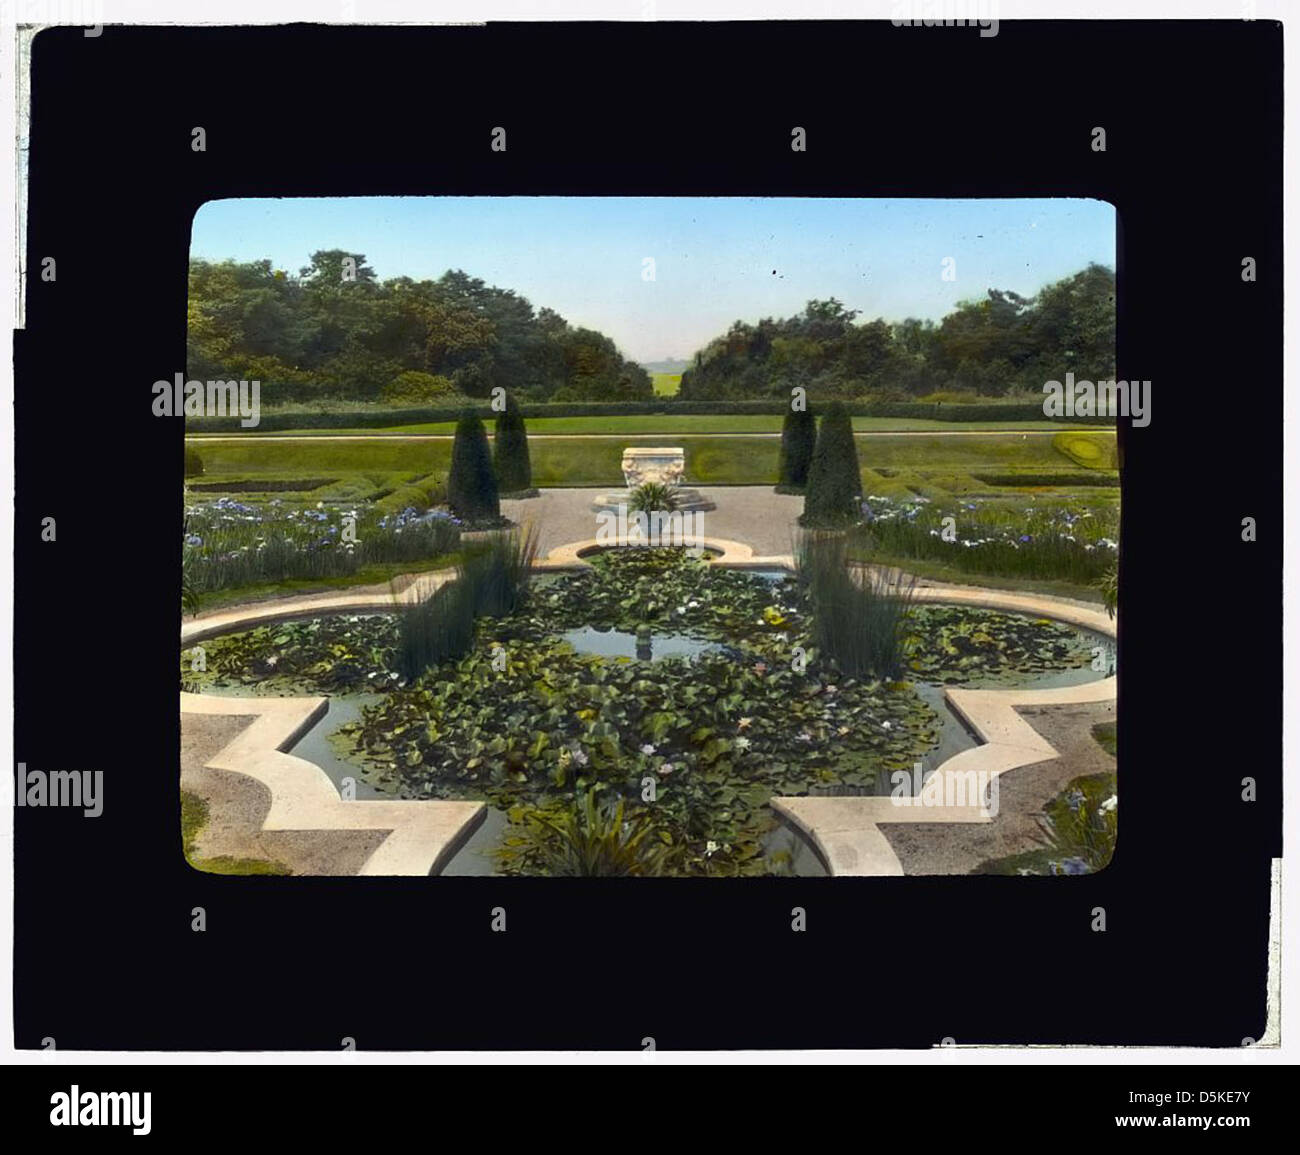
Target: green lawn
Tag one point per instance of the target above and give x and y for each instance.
(666, 384)
(891, 465)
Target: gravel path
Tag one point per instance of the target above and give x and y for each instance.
(752, 514)
(925, 848)
(237, 805)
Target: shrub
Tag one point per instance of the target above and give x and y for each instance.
(834, 476)
(471, 484)
(193, 462)
(413, 388)
(798, 440)
(514, 469)
(652, 497)
(420, 494)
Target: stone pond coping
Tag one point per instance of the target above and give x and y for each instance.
(730, 553)
(410, 588)
(845, 830)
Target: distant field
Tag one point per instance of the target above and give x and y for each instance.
(666, 384)
(678, 423)
(925, 465)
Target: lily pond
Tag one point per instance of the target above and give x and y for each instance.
(636, 716)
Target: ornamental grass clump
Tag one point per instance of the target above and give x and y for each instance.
(497, 571)
(434, 630)
(491, 581)
(859, 617)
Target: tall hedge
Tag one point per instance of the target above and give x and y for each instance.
(798, 439)
(471, 484)
(510, 452)
(834, 477)
(359, 416)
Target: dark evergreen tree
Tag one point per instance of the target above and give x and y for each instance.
(798, 439)
(471, 484)
(510, 453)
(834, 477)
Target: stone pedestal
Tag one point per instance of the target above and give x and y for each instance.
(663, 466)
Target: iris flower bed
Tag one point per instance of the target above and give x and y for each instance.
(229, 543)
(1051, 539)
(615, 765)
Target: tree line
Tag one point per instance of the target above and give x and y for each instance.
(335, 331)
(1003, 343)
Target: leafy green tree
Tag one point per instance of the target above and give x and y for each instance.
(514, 470)
(798, 440)
(416, 388)
(834, 476)
(471, 484)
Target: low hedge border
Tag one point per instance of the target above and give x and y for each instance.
(379, 418)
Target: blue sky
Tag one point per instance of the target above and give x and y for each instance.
(717, 259)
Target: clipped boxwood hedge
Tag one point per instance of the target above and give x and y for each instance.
(380, 417)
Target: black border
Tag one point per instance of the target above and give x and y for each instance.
(104, 957)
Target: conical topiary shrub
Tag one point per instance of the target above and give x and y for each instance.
(510, 453)
(798, 438)
(834, 477)
(471, 484)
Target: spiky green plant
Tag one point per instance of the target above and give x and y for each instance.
(859, 616)
(590, 839)
(1109, 586)
(498, 569)
(431, 631)
(652, 497)
(491, 581)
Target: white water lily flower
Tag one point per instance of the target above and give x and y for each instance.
(886, 725)
(710, 848)
(647, 749)
(1109, 804)
(743, 743)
